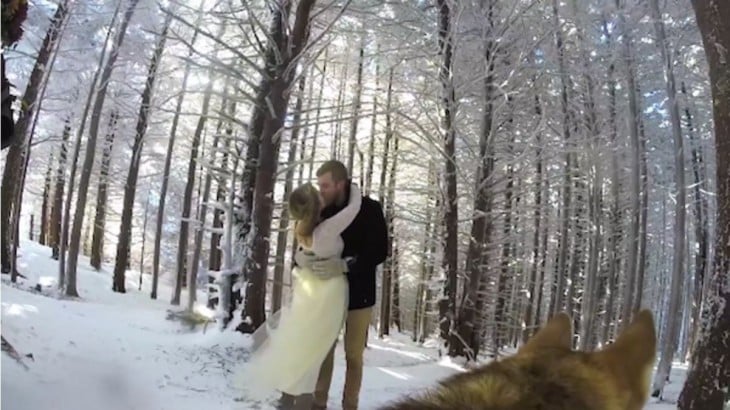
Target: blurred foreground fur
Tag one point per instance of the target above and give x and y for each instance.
(546, 374)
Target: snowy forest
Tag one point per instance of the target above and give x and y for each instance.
(531, 157)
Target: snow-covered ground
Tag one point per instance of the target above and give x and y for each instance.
(118, 352)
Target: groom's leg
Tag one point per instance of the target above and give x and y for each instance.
(324, 380)
(356, 334)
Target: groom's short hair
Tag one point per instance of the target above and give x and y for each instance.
(334, 167)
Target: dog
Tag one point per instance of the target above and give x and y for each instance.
(546, 374)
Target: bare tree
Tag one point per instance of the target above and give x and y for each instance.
(182, 245)
(19, 149)
(59, 185)
(100, 94)
(283, 234)
(356, 105)
(122, 259)
(465, 341)
(447, 305)
(282, 56)
(635, 187)
(708, 379)
(168, 162)
(97, 242)
(43, 237)
(672, 319)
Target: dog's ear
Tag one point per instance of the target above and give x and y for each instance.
(632, 355)
(557, 333)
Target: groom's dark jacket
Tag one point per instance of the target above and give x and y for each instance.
(366, 239)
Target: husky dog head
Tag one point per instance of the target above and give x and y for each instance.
(547, 374)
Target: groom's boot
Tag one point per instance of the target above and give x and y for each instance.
(303, 402)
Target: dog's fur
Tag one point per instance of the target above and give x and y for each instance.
(546, 374)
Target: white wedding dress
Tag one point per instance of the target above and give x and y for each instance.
(290, 347)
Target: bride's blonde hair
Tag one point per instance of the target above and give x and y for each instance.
(304, 209)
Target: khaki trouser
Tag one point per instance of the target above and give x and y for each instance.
(356, 326)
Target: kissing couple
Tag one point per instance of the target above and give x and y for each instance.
(342, 237)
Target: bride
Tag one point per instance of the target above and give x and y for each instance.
(290, 347)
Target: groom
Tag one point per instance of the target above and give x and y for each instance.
(366, 246)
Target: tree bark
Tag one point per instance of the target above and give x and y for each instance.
(182, 245)
(387, 279)
(700, 209)
(635, 187)
(464, 340)
(367, 186)
(673, 317)
(277, 289)
(447, 304)
(97, 242)
(531, 319)
(83, 189)
(19, 149)
(356, 107)
(614, 226)
(43, 237)
(59, 184)
(168, 162)
(215, 260)
(708, 378)
(394, 313)
(557, 298)
(130, 187)
(96, 114)
(287, 46)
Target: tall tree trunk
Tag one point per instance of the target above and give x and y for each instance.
(356, 108)
(367, 186)
(168, 162)
(464, 340)
(340, 107)
(287, 46)
(557, 298)
(60, 182)
(19, 149)
(277, 289)
(643, 217)
(74, 240)
(394, 314)
(215, 260)
(614, 226)
(130, 187)
(588, 304)
(387, 278)
(708, 379)
(531, 320)
(97, 243)
(447, 304)
(203, 208)
(318, 114)
(701, 221)
(421, 308)
(182, 245)
(635, 187)
(672, 320)
(144, 240)
(505, 273)
(44, 237)
(96, 117)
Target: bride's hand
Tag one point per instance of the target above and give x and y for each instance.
(304, 259)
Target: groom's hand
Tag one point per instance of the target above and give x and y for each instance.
(329, 268)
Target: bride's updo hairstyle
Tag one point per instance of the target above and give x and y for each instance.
(304, 208)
